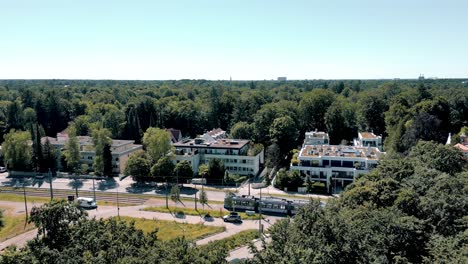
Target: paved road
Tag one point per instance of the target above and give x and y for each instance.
(244, 252)
(135, 211)
(127, 185)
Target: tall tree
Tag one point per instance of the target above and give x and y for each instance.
(183, 169)
(242, 130)
(163, 169)
(157, 143)
(107, 160)
(49, 155)
(101, 138)
(17, 150)
(313, 107)
(37, 155)
(340, 122)
(284, 132)
(371, 114)
(72, 151)
(215, 170)
(137, 166)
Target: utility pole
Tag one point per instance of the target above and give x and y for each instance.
(167, 202)
(249, 186)
(118, 207)
(25, 204)
(195, 197)
(260, 214)
(51, 189)
(94, 191)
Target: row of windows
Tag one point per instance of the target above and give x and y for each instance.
(243, 161)
(274, 206)
(91, 158)
(229, 168)
(243, 203)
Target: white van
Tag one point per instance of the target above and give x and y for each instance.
(86, 202)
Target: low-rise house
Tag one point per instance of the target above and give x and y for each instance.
(121, 150)
(176, 134)
(336, 165)
(316, 138)
(368, 139)
(463, 145)
(234, 153)
(214, 135)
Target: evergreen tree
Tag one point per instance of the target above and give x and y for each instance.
(107, 159)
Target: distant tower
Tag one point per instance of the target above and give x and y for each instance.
(421, 77)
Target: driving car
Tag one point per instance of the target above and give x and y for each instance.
(86, 202)
(232, 217)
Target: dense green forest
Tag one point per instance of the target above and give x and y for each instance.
(272, 113)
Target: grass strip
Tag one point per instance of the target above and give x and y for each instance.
(168, 230)
(13, 225)
(200, 212)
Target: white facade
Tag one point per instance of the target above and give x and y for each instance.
(336, 165)
(232, 152)
(316, 138)
(120, 149)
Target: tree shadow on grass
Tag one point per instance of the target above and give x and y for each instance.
(141, 187)
(107, 184)
(76, 184)
(188, 190)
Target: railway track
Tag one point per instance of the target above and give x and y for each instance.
(100, 196)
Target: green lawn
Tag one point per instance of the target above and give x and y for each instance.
(170, 229)
(11, 197)
(200, 211)
(13, 226)
(234, 241)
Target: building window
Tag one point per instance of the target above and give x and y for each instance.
(116, 159)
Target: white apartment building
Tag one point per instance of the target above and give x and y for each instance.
(232, 152)
(121, 150)
(336, 165)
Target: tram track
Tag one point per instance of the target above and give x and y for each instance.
(61, 193)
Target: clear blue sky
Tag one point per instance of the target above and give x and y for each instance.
(245, 39)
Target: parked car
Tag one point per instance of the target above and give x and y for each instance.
(3, 169)
(232, 217)
(87, 203)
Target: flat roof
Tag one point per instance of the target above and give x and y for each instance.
(85, 140)
(463, 148)
(220, 143)
(367, 135)
(318, 151)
